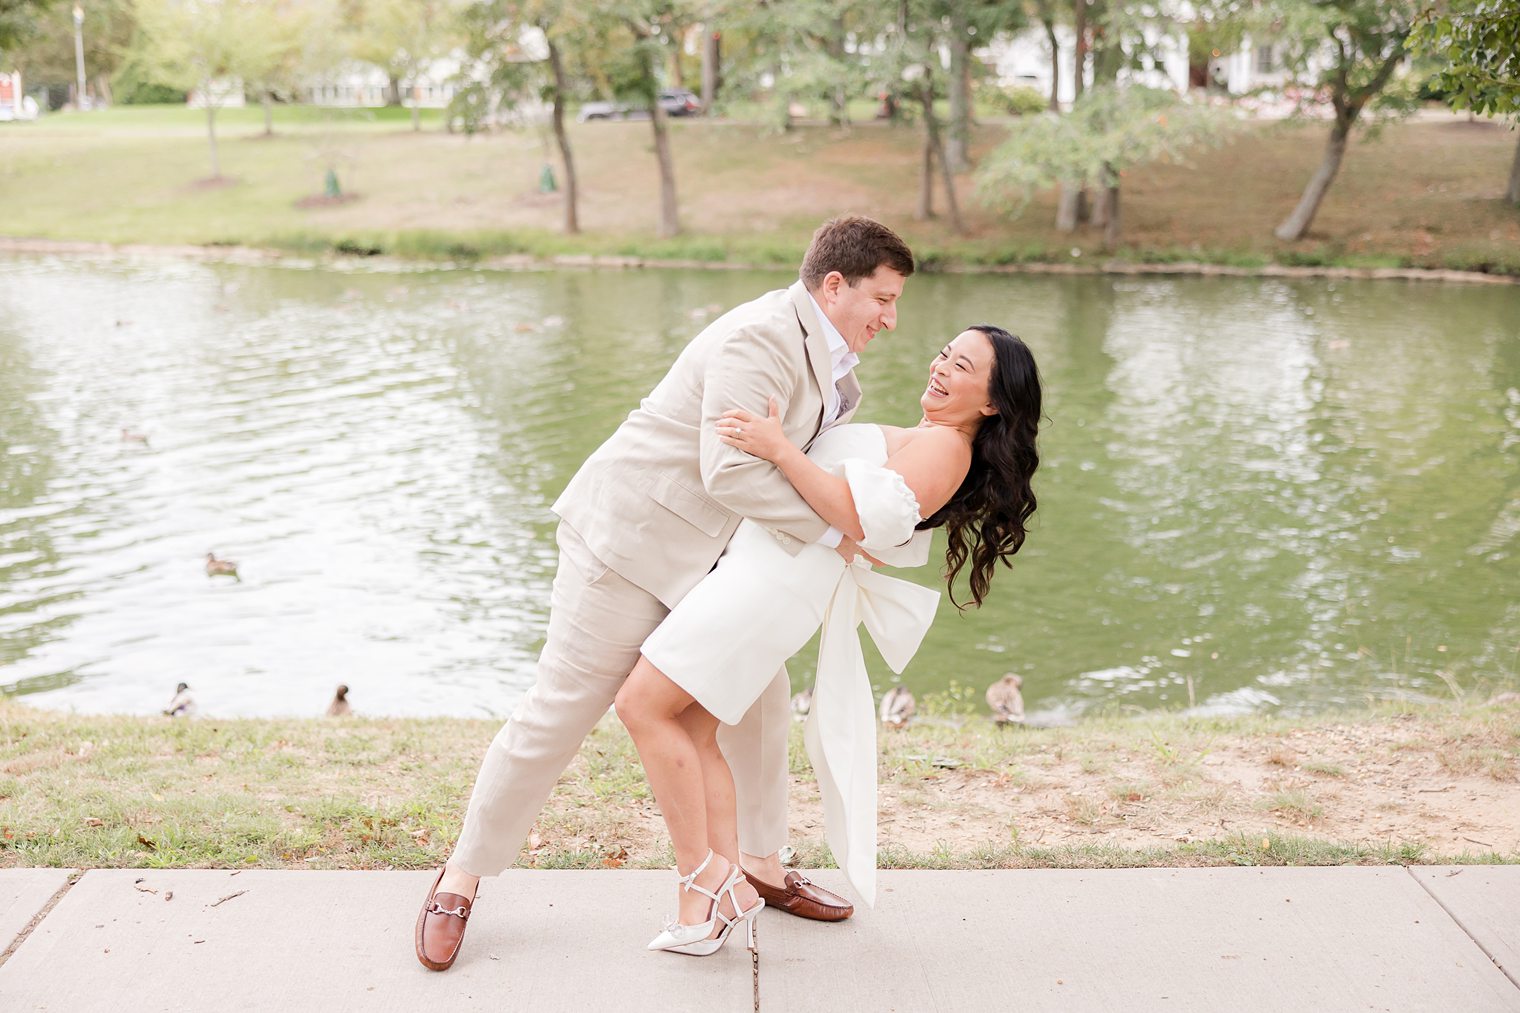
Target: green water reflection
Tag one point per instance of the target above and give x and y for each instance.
(1256, 494)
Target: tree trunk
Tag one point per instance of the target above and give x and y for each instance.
(670, 223)
(572, 196)
(1302, 217)
(677, 72)
(1513, 193)
(392, 90)
(1110, 209)
(1067, 208)
(936, 144)
(216, 162)
(416, 107)
(1055, 64)
(958, 141)
(1079, 56)
(926, 183)
(839, 99)
(711, 57)
(268, 102)
(934, 151)
(783, 100)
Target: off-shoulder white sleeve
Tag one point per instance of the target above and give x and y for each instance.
(887, 508)
(914, 553)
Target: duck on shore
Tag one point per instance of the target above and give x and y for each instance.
(339, 708)
(1006, 701)
(182, 705)
(221, 567)
(898, 707)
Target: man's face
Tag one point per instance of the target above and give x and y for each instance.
(862, 309)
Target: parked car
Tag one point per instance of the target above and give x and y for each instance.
(677, 102)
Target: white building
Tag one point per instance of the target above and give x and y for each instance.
(1023, 58)
(224, 93)
(364, 85)
(14, 103)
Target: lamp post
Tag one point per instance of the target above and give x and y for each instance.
(79, 100)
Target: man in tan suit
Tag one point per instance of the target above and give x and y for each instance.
(644, 520)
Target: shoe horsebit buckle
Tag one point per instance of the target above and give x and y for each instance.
(460, 912)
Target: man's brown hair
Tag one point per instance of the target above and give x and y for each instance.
(855, 247)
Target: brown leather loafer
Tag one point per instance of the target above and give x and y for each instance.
(803, 898)
(440, 927)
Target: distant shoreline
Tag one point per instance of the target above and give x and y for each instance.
(250, 255)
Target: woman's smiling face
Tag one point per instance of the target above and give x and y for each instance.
(958, 379)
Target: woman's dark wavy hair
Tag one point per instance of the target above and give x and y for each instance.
(985, 519)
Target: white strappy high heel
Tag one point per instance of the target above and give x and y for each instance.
(697, 940)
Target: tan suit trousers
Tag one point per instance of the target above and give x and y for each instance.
(597, 622)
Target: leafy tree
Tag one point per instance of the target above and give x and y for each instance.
(1108, 130)
(44, 50)
(295, 43)
(805, 48)
(201, 46)
(916, 72)
(403, 38)
(646, 35)
(19, 21)
(1480, 45)
(1047, 13)
(1345, 51)
(970, 25)
(506, 69)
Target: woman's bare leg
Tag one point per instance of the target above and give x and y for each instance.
(650, 706)
(718, 782)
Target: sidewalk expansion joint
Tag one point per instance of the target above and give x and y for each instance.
(1508, 972)
(37, 918)
(754, 963)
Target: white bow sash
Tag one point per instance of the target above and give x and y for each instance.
(841, 727)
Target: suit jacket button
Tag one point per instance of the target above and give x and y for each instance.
(783, 538)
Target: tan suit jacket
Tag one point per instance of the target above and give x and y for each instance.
(660, 499)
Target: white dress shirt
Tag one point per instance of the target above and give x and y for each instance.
(843, 361)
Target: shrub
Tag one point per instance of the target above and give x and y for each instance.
(1017, 100)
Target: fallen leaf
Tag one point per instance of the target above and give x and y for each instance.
(146, 843)
(94, 821)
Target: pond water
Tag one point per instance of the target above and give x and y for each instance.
(1255, 494)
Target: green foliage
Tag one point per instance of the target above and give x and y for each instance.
(1107, 131)
(1480, 48)
(1015, 100)
(19, 20)
(191, 45)
(1363, 39)
(129, 88)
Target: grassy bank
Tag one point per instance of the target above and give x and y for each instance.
(1428, 784)
(1423, 194)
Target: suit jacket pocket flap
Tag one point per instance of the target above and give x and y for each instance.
(692, 507)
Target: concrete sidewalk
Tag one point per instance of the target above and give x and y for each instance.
(1386, 938)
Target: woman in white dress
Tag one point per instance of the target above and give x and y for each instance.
(965, 467)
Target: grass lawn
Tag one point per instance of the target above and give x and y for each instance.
(1398, 784)
(1423, 194)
